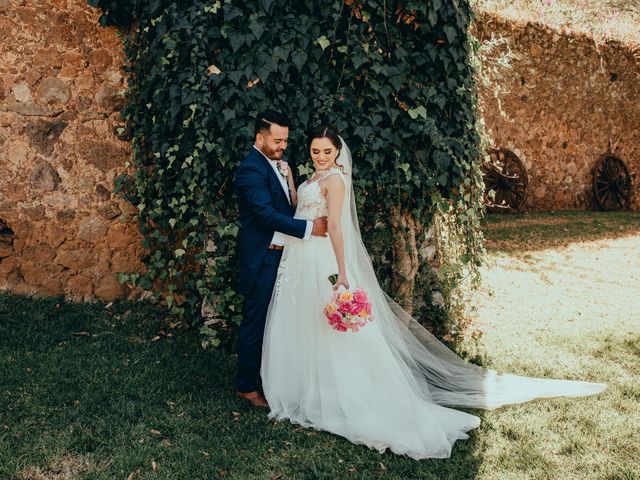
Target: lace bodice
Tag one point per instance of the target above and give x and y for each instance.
(311, 202)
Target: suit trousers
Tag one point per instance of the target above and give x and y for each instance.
(251, 331)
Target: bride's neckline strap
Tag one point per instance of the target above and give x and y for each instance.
(324, 174)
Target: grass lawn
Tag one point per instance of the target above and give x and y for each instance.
(532, 231)
(86, 390)
(91, 392)
(561, 298)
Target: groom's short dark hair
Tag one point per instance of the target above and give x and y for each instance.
(266, 118)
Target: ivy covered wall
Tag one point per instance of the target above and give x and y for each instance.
(396, 78)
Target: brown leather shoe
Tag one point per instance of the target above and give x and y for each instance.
(256, 399)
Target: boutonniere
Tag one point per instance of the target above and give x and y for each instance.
(283, 168)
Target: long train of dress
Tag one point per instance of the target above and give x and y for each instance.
(357, 385)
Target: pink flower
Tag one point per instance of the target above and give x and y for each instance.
(355, 308)
(345, 307)
(341, 327)
(335, 317)
(360, 296)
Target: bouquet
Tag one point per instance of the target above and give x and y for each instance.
(348, 310)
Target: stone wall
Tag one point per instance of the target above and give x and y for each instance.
(62, 231)
(569, 100)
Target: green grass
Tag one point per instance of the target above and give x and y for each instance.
(110, 401)
(540, 230)
(91, 392)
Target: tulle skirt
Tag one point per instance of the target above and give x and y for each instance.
(351, 384)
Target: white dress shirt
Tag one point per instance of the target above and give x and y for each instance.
(278, 237)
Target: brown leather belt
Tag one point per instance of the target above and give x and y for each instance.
(276, 247)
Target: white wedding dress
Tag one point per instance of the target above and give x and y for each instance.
(384, 386)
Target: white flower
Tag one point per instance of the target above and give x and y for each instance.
(283, 168)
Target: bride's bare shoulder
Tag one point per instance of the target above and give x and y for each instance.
(333, 182)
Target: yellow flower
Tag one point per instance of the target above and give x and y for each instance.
(362, 313)
(331, 308)
(345, 297)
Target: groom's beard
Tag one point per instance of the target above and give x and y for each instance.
(272, 154)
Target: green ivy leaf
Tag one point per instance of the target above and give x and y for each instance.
(450, 33)
(256, 28)
(299, 59)
(323, 42)
(420, 111)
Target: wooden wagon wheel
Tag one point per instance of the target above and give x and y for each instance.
(612, 183)
(506, 176)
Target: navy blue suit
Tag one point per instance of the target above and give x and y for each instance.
(264, 209)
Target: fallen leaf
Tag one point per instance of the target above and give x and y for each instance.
(155, 432)
(166, 442)
(154, 465)
(213, 70)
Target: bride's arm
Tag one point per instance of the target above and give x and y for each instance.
(335, 190)
(292, 188)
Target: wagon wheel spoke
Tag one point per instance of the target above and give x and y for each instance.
(507, 177)
(612, 183)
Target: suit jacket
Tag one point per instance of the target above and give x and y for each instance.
(264, 209)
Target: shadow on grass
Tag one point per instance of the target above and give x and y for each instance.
(540, 230)
(96, 387)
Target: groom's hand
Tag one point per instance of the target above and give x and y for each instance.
(319, 227)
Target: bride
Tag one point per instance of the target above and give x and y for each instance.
(388, 385)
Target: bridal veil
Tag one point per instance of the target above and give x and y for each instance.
(439, 374)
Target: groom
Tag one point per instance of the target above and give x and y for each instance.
(266, 214)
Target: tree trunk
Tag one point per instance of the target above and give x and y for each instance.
(406, 260)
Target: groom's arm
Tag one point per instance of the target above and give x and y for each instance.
(250, 185)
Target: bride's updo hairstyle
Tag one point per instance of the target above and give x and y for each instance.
(326, 131)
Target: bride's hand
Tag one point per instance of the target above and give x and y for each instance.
(342, 280)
